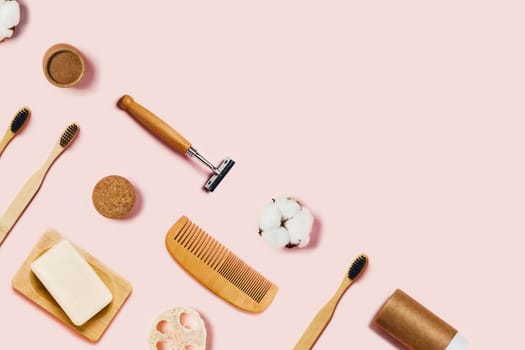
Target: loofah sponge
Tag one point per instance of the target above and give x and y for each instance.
(285, 223)
(180, 328)
(9, 18)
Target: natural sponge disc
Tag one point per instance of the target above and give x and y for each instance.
(180, 328)
(114, 196)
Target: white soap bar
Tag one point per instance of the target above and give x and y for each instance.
(72, 282)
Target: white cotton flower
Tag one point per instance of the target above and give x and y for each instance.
(288, 207)
(9, 17)
(303, 243)
(270, 217)
(277, 237)
(285, 223)
(299, 226)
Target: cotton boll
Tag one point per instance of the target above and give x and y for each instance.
(5, 33)
(285, 223)
(288, 207)
(277, 237)
(270, 217)
(9, 17)
(304, 242)
(305, 215)
(299, 226)
(9, 14)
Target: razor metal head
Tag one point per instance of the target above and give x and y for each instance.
(216, 179)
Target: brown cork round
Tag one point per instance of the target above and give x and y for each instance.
(114, 196)
(63, 65)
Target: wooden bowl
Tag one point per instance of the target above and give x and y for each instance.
(63, 65)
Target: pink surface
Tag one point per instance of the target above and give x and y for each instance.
(399, 124)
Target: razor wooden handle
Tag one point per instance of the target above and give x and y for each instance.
(154, 124)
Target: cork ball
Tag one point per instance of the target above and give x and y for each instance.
(114, 197)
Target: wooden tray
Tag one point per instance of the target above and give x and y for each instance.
(26, 283)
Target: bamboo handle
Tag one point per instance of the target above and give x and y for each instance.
(20, 202)
(9, 135)
(320, 321)
(316, 327)
(26, 194)
(154, 124)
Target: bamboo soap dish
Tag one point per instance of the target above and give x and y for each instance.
(26, 283)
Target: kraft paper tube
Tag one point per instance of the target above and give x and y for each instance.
(415, 326)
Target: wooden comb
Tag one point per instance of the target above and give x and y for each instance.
(217, 268)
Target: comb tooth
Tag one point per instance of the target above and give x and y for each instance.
(225, 267)
(254, 290)
(203, 246)
(254, 285)
(230, 266)
(222, 252)
(215, 252)
(259, 288)
(221, 258)
(241, 274)
(187, 238)
(196, 241)
(206, 251)
(192, 237)
(183, 233)
(264, 287)
(211, 251)
(250, 280)
(183, 229)
(241, 278)
(257, 284)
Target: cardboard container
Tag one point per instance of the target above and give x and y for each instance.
(415, 326)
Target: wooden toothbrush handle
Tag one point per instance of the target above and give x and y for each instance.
(5, 140)
(318, 324)
(26, 194)
(19, 204)
(154, 124)
(316, 327)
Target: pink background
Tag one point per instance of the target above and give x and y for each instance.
(398, 123)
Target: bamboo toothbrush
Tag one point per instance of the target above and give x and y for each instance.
(31, 187)
(17, 124)
(318, 324)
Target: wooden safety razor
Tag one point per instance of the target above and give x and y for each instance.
(173, 139)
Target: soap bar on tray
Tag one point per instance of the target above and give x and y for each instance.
(72, 282)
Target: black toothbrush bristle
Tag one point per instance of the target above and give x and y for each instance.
(69, 134)
(357, 267)
(19, 119)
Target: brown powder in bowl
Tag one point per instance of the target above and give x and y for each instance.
(63, 65)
